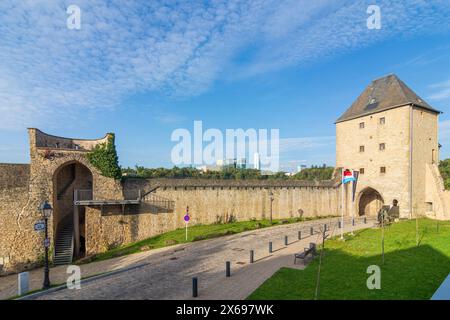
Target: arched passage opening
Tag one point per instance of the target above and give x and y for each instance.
(370, 202)
(69, 220)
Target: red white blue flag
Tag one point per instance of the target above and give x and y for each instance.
(348, 176)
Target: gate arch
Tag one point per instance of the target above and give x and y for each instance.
(370, 202)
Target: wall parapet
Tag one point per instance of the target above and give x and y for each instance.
(42, 140)
(208, 183)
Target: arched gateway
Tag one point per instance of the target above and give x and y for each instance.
(370, 202)
(68, 220)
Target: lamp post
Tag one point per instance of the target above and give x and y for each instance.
(46, 211)
(271, 201)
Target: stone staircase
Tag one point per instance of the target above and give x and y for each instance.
(64, 243)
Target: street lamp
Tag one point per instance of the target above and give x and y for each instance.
(271, 201)
(46, 210)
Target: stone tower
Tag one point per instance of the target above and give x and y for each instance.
(390, 135)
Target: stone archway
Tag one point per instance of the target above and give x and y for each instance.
(370, 202)
(68, 220)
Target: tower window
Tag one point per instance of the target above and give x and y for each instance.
(361, 170)
(382, 120)
(361, 148)
(382, 146)
(382, 169)
(361, 125)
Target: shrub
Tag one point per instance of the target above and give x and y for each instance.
(104, 157)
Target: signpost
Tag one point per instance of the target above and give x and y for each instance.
(39, 226)
(186, 220)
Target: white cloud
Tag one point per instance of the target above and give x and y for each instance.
(51, 73)
(444, 131)
(442, 90)
(303, 143)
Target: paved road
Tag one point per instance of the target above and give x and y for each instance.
(168, 274)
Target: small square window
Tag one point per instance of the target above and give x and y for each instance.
(361, 170)
(361, 125)
(382, 146)
(382, 169)
(361, 148)
(382, 120)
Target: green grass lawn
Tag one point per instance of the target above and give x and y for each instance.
(409, 271)
(195, 233)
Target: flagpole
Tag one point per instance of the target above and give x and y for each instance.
(342, 204)
(353, 215)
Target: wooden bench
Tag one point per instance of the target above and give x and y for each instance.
(308, 251)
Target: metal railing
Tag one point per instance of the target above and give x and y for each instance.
(160, 202)
(83, 195)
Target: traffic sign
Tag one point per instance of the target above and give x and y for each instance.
(186, 218)
(39, 226)
(47, 243)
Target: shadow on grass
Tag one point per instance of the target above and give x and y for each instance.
(413, 273)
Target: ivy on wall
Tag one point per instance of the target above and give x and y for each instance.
(104, 157)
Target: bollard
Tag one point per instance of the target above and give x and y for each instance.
(285, 240)
(270, 247)
(353, 222)
(365, 220)
(195, 287)
(228, 269)
(24, 287)
(252, 256)
(299, 235)
(312, 230)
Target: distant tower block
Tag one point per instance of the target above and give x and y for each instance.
(257, 161)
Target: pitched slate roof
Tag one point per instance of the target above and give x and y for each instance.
(383, 94)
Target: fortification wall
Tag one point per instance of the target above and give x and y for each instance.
(14, 215)
(209, 201)
(22, 190)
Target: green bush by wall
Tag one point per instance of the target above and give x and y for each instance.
(104, 158)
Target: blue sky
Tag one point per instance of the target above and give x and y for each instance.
(144, 68)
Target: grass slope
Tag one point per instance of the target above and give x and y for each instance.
(409, 271)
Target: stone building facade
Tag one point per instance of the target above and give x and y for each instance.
(99, 213)
(390, 136)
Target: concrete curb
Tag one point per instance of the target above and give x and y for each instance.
(83, 281)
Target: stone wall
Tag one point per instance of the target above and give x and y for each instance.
(14, 213)
(425, 152)
(208, 201)
(22, 190)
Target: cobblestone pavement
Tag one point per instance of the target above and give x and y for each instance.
(167, 274)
